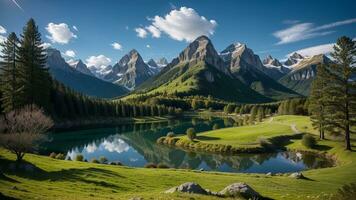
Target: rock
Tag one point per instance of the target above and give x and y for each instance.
(136, 198)
(269, 174)
(297, 175)
(239, 190)
(188, 187)
(201, 169)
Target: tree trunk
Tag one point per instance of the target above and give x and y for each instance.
(322, 135)
(347, 138)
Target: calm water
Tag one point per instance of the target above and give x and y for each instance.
(135, 145)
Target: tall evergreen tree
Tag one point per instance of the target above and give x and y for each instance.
(9, 75)
(35, 78)
(317, 100)
(341, 89)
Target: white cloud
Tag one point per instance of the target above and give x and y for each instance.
(115, 145)
(156, 33)
(303, 31)
(75, 28)
(184, 24)
(315, 50)
(98, 61)
(116, 45)
(46, 45)
(59, 33)
(148, 46)
(142, 33)
(70, 53)
(2, 30)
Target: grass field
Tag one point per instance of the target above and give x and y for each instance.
(57, 179)
(245, 135)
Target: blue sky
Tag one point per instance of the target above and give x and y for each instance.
(268, 27)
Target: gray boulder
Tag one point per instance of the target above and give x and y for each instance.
(239, 190)
(188, 187)
(297, 175)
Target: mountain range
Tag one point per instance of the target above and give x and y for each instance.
(234, 74)
(76, 78)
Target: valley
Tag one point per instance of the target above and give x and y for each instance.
(138, 100)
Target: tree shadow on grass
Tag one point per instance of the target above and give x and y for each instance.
(3, 197)
(322, 147)
(202, 137)
(29, 171)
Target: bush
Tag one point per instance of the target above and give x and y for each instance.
(150, 165)
(265, 143)
(308, 141)
(162, 166)
(170, 134)
(94, 160)
(60, 156)
(191, 133)
(52, 155)
(216, 126)
(103, 159)
(79, 157)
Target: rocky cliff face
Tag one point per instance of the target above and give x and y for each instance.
(130, 71)
(201, 50)
(80, 66)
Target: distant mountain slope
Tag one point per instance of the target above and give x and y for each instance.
(130, 71)
(303, 74)
(248, 68)
(199, 70)
(80, 66)
(86, 84)
(275, 69)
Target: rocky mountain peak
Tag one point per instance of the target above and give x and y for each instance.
(270, 61)
(239, 56)
(162, 62)
(80, 66)
(152, 63)
(296, 55)
(199, 50)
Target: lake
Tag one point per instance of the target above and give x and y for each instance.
(135, 145)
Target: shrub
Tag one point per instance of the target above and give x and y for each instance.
(170, 134)
(103, 159)
(191, 133)
(52, 155)
(60, 156)
(308, 141)
(79, 157)
(264, 143)
(162, 166)
(150, 165)
(216, 126)
(24, 129)
(94, 160)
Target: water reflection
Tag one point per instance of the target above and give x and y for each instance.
(135, 145)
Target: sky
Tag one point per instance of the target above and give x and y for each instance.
(100, 32)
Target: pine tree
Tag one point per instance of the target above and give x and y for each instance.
(9, 75)
(253, 114)
(35, 78)
(341, 93)
(317, 101)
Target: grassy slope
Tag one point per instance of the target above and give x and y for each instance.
(77, 180)
(191, 80)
